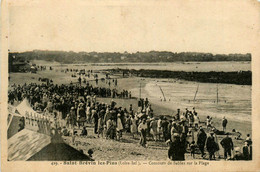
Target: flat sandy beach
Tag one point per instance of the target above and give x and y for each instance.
(128, 148)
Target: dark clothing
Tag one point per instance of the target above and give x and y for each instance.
(224, 122)
(227, 144)
(202, 137)
(238, 156)
(95, 116)
(175, 152)
(182, 148)
(192, 149)
(247, 152)
(177, 116)
(211, 146)
(165, 130)
(227, 152)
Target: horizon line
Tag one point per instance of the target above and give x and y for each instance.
(126, 52)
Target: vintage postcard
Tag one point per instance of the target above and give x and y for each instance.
(148, 85)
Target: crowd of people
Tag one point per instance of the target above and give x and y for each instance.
(77, 105)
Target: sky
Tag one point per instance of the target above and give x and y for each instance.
(179, 26)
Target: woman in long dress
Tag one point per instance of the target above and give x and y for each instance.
(100, 124)
(133, 125)
(119, 127)
(153, 126)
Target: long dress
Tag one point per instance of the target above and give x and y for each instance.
(153, 125)
(100, 125)
(119, 125)
(133, 126)
(159, 126)
(142, 129)
(88, 113)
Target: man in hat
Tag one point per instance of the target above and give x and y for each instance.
(224, 124)
(211, 145)
(227, 144)
(201, 140)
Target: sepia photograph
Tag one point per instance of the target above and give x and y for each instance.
(127, 83)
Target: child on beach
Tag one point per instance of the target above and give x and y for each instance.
(192, 149)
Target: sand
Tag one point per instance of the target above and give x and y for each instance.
(127, 148)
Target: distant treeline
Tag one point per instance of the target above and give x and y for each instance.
(116, 57)
(239, 78)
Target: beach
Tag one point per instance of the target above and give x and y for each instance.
(128, 147)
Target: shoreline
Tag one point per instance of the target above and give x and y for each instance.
(132, 84)
(232, 77)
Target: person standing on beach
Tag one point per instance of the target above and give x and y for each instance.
(174, 148)
(211, 146)
(159, 127)
(101, 122)
(142, 129)
(208, 122)
(192, 149)
(201, 140)
(174, 129)
(119, 127)
(165, 129)
(95, 120)
(177, 116)
(79, 80)
(153, 127)
(133, 127)
(196, 120)
(227, 144)
(224, 124)
(247, 151)
(88, 114)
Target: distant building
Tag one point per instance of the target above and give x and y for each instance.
(20, 65)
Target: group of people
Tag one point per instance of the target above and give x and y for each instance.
(78, 106)
(49, 93)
